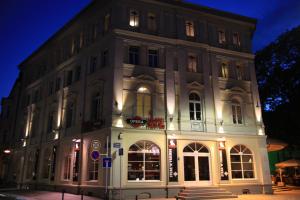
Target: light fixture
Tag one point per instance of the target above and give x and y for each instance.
(76, 140)
(7, 151)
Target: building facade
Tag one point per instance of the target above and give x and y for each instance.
(165, 90)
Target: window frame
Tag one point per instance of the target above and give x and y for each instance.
(221, 36)
(153, 58)
(144, 161)
(237, 118)
(192, 63)
(134, 18)
(143, 93)
(195, 110)
(189, 28)
(151, 21)
(134, 55)
(236, 39)
(241, 161)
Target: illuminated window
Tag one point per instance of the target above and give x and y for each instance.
(134, 18)
(195, 107)
(106, 22)
(153, 58)
(144, 161)
(76, 157)
(144, 107)
(222, 36)
(236, 112)
(236, 39)
(241, 162)
(189, 28)
(134, 55)
(152, 22)
(224, 70)
(239, 72)
(192, 63)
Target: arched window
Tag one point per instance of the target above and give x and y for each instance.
(195, 107)
(144, 106)
(143, 161)
(193, 147)
(241, 162)
(237, 117)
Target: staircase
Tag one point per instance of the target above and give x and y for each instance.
(280, 188)
(202, 193)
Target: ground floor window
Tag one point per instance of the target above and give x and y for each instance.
(143, 161)
(46, 163)
(93, 169)
(241, 162)
(67, 167)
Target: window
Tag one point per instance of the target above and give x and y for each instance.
(77, 73)
(222, 37)
(192, 63)
(69, 77)
(36, 96)
(93, 164)
(30, 166)
(224, 70)
(144, 161)
(46, 164)
(106, 22)
(195, 107)
(67, 167)
(93, 64)
(241, 162)
(239, 72)
(134, 55)
(134, 18)
(236, 112)
(50, 89)
(153, 58)
(50, 122)
(152, 22)
(104, 58)
(28, 100)
(96, 108)
(144, 107)
(57, 84)
(189, 28)
(236, 39)
(70, 115)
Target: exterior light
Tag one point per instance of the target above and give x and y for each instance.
(7, 151)
(76, 140)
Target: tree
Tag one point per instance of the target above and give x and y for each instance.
(278, 75)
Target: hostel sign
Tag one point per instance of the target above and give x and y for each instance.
(149, 123)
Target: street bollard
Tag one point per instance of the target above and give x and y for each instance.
(81, 194)
(63, 195)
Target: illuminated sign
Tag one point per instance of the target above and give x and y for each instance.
(223, 161)
(149, 123)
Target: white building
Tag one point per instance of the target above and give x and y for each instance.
(171, 83)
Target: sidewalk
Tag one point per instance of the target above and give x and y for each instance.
(44, 195)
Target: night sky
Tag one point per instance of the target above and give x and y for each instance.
(26, 24)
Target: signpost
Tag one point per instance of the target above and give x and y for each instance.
(106, 162)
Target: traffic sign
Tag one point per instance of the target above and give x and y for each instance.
(95, 155)
(106, 162)
(117, 145)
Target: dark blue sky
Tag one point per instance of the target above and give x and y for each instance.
(26, 24)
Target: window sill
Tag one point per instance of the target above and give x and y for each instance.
(146, 181)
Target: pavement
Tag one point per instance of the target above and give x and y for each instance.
(44, 195)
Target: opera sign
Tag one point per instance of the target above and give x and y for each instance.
(150, 123)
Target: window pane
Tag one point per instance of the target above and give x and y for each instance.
(135, 157)
(135, 175)
(152, 175)
(198, 115)
(139, 166)
(237, 174)
(152, 157)
(248, 174)
(235, 158)
(247, 166)
(192, 116)
(236, 166)
(247, 158)
(152, 166)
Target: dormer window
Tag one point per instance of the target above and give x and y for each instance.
(236, 39)
(189, 28)
(134, 18)
(222, 36)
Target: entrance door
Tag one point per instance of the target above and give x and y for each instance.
(196, 160)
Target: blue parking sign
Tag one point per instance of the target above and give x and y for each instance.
(106, 162)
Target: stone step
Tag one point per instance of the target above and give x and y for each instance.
(204, 190)
(205, 193)
(203, 197)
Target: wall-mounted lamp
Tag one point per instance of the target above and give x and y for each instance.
(257, 104)
(120, 136)
(221, 122)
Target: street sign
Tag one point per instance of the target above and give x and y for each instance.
(106, 162)
(95, 155)
(117, 145)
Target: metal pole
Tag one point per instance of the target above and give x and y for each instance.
(106, 170)
(120, 177)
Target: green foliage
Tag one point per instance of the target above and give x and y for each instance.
(278, 75)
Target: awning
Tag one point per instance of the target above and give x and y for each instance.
(288, 163)
(275, 145)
